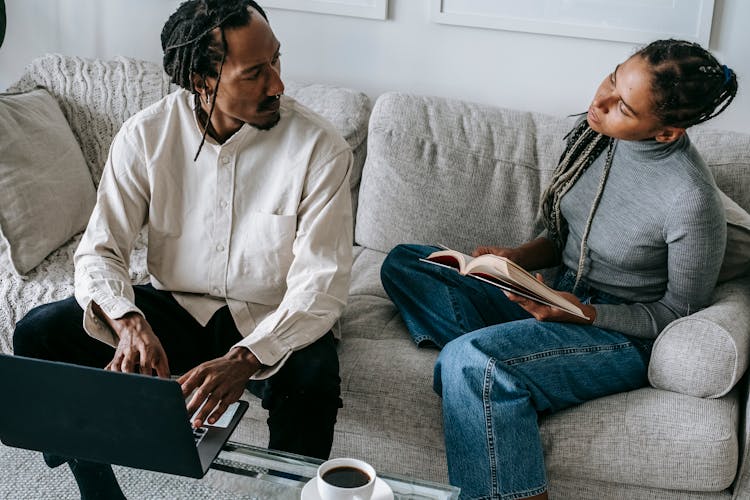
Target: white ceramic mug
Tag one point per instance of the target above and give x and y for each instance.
(328, 491)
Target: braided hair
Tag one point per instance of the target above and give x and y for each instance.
(689, 87)
(689, 84)
(192, 45)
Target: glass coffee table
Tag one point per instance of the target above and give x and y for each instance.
(249, 472)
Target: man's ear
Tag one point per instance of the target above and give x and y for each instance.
(199, 84)
(669, 134)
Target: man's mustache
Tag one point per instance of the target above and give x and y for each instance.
(268, 103)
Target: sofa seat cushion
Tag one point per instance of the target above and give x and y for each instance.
(648, 437)
(391, 415)
(588, 489)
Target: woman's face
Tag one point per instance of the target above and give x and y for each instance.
(623, 105)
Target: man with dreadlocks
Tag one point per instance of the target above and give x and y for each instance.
(246, 197)
(635, 222)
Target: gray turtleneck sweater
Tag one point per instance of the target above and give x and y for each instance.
(657, 238)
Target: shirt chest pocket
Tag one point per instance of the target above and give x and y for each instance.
(266, 242)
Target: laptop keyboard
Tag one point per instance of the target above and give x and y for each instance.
(199, 434)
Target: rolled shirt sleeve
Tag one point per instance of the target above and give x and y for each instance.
(103, 255)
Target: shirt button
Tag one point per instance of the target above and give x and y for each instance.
(223, 204)
(224, 160)
(219, 247)
(217, 291)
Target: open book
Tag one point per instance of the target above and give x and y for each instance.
(505, 274)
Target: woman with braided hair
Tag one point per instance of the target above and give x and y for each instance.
(632, 262)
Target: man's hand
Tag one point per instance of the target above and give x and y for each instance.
(543, 312)
(219, 383)
(138, 346)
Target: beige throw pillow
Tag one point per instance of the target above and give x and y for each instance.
(46, 190)
(737, 255)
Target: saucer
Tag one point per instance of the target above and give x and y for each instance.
(381, 492)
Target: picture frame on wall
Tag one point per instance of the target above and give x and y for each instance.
(371, 9)
(633, 21)
(2, 22)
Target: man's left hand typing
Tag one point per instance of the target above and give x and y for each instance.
(219, 383)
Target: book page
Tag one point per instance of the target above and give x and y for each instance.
(514, 274)
(452, 258)
(551, 298)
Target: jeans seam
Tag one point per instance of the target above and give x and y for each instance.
(456, 311)
(486, 393)
(566, 351)
(486, 400)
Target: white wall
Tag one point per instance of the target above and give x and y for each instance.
(406, 53)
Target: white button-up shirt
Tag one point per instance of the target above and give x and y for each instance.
(261, 223)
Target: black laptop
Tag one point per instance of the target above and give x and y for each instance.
(102, 416)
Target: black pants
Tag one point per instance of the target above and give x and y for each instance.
(302, 398)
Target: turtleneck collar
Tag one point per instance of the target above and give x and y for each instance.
(651, 148)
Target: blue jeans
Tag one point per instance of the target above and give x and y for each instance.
(500, 368)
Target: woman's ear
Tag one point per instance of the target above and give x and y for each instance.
(669, 134)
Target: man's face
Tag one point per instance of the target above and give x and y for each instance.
(250, 80)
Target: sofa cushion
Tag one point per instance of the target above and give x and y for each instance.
(454, 173)
(349, 111)
(648, 437)
(391, 415)
(737, 253)
(47, 193)
(728, 156)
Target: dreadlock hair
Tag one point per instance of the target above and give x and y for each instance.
(689, 86)
(192, 46)
(583, 147)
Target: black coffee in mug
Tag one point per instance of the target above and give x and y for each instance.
(346, 477)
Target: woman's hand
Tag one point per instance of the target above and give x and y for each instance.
(536, 254)
(543, 312)
(508, 253)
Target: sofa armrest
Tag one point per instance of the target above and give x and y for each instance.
(705, 354)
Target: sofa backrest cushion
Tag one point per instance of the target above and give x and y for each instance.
(728, 157)
(454, 173)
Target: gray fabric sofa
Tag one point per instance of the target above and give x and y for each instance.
(456, 173)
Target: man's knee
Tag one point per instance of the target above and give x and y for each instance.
(313, 371)
(31, 332)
